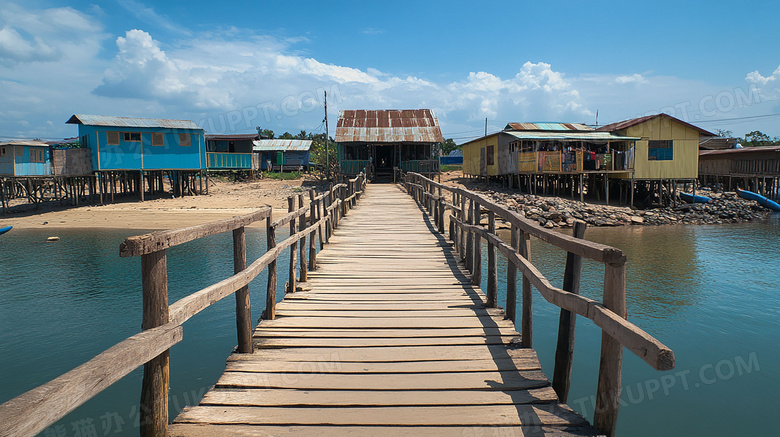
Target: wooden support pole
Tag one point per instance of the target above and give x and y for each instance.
(303, 276)
(527, 328)
(511, 277)
(270, 291)
(476, 275)
(156, 378)
(564, 352)
(470, 239)
(463, 234)
(291, 280)
(611, 363)
(312, 241)
(243, 306)
(492, 284)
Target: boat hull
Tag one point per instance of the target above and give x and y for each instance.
(690, 198)
(763, 201)
(5, 229)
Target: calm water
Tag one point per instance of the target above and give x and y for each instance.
(708, 292)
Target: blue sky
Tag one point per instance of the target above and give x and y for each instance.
(237, 65)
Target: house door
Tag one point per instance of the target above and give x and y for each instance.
(482, 163)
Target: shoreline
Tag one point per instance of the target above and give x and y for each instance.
(230, 199)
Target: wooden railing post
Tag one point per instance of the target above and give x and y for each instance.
(564, 352)
(463, 235)
(511, 277)
(243, 306)
(303, 276)
(492, 284)
(611, 363)
(293, 248)
(312, 241)
(154, 387)
(476, 275)
(452, 231)
(270, 291)
(470, 239)
(527, 328)
(326, 202)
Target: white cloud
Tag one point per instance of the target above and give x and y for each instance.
(148, 15)
(633, 78)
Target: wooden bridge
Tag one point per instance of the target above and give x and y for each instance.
(388, 332)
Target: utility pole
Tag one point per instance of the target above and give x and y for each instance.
(327, 147)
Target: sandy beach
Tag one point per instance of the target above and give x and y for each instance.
(225, 200)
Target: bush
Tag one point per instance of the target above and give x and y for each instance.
(287, 176)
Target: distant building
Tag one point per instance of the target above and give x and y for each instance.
(125, 143)
(25, 158)
(752, 168)
(667, 149)
(230, 152)
(388, 139)
(278, 154)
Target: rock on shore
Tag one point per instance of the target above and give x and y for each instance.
(553, 212)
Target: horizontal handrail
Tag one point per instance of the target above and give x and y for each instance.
(186, 307)
(160, 240)
(33, 411)
(652, 351)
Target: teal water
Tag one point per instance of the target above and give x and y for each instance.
(63, 303)
(708, 292)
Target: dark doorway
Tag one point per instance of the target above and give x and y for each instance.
(384, 161)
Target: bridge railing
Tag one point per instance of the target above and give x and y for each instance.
(466, 231)
(31, 412)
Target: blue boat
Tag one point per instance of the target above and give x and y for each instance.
(691, 198)
(763, 201)
(5, 229)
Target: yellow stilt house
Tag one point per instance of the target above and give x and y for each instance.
(668, 148)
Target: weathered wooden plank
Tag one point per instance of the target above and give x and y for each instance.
(377, 398)
(409, 322)
(206, 430)
(447, 312)
(525, 362)
(262, 342)
(386, 354)
(492, 415)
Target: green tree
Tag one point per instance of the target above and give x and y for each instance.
(757, 139)
(723, 133)
(448, 146)
(265, 132)
(287, 136)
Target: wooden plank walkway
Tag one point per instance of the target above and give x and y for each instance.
(388, 338)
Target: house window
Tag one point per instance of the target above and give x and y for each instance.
(36, 155)
(112, 138)
(660, 150)
(490, 156)
(2, 151)
(184, 140)
(132, 136)
(158, 139)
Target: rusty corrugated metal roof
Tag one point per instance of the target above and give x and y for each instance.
(635, 121)
(281, 145)
(548, 127)
(744, 151)
(108, 120)
(388, 126)
(232, 137)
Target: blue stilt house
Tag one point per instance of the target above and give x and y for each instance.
(284, 155)
(25, 158)
(126, 143)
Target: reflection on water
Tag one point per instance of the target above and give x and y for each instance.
(708, 292)
(63, 303)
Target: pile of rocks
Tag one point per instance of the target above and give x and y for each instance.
(553, 212)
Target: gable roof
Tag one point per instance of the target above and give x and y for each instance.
(29, 143)
(111, 121)
(388, 126)
(635, 121)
